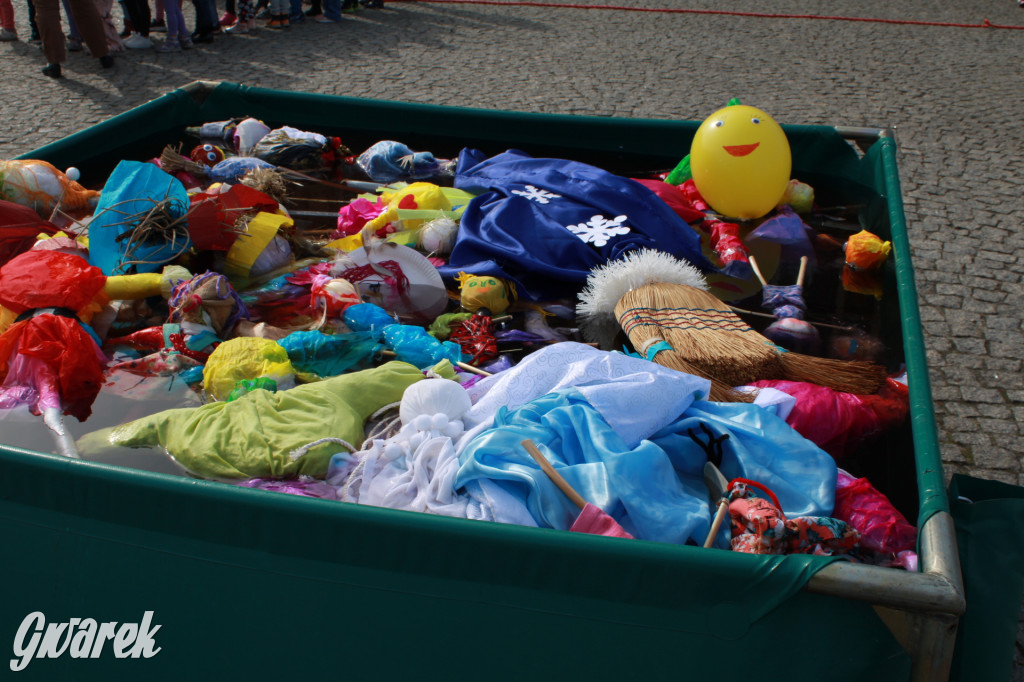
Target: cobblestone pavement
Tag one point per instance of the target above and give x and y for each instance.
(954, 96)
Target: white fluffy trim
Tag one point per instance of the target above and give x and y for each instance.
(607, 283)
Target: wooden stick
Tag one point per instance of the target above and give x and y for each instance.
(757, 271)
(723, 508)
(741, 311)
(326, 183)
(463, 365)
(475, 370)
(803, 271)
(555, 477)
(315, 214)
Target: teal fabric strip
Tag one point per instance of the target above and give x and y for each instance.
(656, 348)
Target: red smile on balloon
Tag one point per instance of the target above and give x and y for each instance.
(741, 149)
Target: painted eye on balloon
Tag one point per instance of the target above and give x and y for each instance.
(211, 156)
(719, 124)
(755, 121)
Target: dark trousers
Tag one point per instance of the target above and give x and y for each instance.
(32, 19)
(87, 18)
(138, 14)
(206, 15)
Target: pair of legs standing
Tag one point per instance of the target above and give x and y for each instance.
(90, 26)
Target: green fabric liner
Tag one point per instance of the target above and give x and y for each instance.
(880, 166)
(185, 532)
(146, 126)
(321, 586)
(990, 538)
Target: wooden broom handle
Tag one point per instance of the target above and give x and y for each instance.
(803, 271)
(556, 477)
(723, 508)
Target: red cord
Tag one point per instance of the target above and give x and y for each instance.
(763, 488)
(764, 15)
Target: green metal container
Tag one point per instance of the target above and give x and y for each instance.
(246, 583)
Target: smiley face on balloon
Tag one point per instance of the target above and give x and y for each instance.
(740, 160)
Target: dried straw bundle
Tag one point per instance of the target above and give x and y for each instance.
(267, 181)
(171, 160)
(164, 224)
(661, 304)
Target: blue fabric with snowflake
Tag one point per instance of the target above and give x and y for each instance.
(545, 224)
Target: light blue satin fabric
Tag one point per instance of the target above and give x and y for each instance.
(635, 397)
(655, 488)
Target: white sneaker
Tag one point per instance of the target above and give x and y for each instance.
(137, 42)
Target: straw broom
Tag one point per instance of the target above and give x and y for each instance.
(663, 306)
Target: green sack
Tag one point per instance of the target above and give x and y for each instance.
(990, 535)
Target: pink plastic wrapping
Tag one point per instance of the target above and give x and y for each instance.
(882, 527)
(839, 422)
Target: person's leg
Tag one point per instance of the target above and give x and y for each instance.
(175, 21)
(138, 11)
(73, 35)
(34, 28)
(212, 19)
(126, 19)
(230, 16)
(48, 21)
(114, 43)
(7, 17)
(278, 13)
(332, 10)
(206, 19)
(90, 25)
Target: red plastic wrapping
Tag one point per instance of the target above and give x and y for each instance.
(676, 199)
(882, 527)
(19, 226)
(212, 217)
(725, 240)
(44, 279)
(68, 358)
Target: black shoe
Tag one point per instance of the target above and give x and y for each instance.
(202, 37)
(52, 70)
(106, 61)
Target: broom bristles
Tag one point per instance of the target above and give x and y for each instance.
(847, 376)
(701, 330)
(171, 160)
(718, 392)
(709, 340)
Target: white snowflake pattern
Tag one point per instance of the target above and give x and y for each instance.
(541, 196)
(598, 230)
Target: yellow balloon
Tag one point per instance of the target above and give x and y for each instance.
(741, 162)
